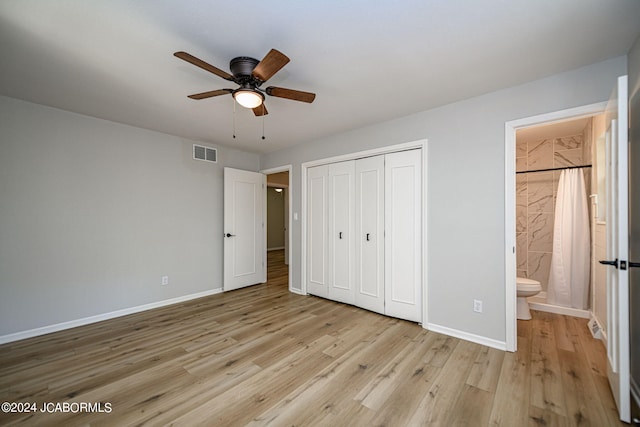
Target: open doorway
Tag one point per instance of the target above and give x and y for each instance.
(544, 155)
(277, 225)
(513, 267)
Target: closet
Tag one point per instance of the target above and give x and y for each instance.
(364, 233)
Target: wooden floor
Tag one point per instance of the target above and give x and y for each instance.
(264, 356)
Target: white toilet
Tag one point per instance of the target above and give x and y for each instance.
(525, 288)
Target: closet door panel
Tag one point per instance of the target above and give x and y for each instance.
(403, 220)
(317, 226)
(370, 233)
(341, 232)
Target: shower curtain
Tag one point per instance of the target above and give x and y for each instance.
(570, 260)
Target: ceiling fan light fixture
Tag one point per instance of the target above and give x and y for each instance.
(248, 98)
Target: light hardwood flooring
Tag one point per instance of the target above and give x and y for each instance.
(264, 356)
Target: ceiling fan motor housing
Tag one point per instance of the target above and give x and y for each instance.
(242, 67)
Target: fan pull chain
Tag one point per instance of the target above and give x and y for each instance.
(263, 120)
(234, 118)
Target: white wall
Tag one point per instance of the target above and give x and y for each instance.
(466, 171)
(93, 213)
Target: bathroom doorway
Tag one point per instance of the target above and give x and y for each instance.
(543, 152)
(547, 142)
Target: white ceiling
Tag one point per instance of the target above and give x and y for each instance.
(366, 61)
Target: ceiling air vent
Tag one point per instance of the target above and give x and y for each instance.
(205, 153)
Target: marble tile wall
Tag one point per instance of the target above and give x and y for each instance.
(535, 199)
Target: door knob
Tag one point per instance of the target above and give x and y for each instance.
(614, 263)
(634, 264)
(340, 235)
(367, 237)
(229, 235)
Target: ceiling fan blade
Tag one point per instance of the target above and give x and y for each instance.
(260, 110)
(296, 95)
(210, 94)
(270, 64)
(204, 65)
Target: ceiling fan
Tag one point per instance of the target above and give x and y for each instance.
(249, 74)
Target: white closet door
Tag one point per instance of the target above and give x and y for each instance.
(341, 232)
(317, 226)
(403, 235)
(370, 233)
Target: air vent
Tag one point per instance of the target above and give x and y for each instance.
(205, 153)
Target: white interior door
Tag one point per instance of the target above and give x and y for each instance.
(634, 244)
(317, 226)
(403, 235)
(370, 233)
(618, 249)
(244, 231)
(341, 232)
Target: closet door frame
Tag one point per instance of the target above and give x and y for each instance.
(421, 144)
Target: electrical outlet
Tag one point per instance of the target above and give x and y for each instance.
(165, 280)
(477, 306)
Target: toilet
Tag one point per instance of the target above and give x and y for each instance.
(525, 288)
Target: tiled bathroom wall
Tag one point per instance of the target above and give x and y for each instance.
(535, 197)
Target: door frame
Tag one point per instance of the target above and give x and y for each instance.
(422, 144)
(511, 127)
(285, 168)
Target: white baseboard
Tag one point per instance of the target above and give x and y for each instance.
(16, 336)
(279, 248)
(296, 291)
(539, 302)
(500, 345)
